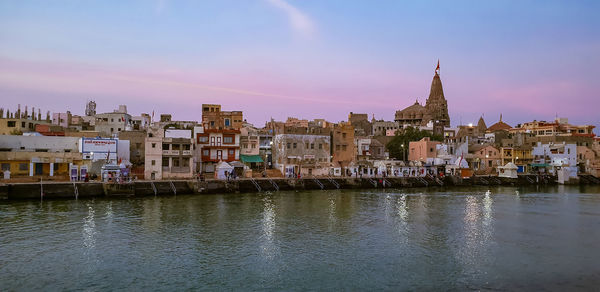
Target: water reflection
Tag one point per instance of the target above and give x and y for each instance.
(89, 228)
(332, 210)
(89, 238)
(268, 247)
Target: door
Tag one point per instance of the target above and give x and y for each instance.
(39, 169)
(219, 154)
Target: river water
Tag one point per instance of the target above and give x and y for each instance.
(503, 238)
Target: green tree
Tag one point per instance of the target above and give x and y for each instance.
(398, 146)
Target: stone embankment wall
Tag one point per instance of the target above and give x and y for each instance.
(68, 190)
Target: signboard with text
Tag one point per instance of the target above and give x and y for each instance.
(99, 145)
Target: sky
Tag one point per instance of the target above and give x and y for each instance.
(526, 60)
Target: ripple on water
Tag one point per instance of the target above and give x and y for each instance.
(413, 239)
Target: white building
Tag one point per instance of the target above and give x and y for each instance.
(556, 157)
(169, 154)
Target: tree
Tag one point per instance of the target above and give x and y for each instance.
(398, 146)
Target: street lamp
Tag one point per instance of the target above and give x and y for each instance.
(403, 153)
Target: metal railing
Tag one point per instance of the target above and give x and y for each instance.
(255, 183)
(75, 191)
(373, 182)
(423, 181)
(386, 183)
(333, 182)
(154, 188)
(318, 182)
(173, 187)
(275, 186)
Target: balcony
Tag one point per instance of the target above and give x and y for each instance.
(170, 152)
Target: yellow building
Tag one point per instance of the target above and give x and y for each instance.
(520, 156)
(39, 155)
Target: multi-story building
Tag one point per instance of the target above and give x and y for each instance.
(214, 118)
(249, 146)
(109, 124)
(521, 156)
(62, 119)
(215, 145)
(560, 127)
(137, 150)
(343, 151)
(169, 154)
(304, 151)
(20, 122)
(361, 123)
(141, 122)
(423, 150)
(554, 156)
(292, 122)
(381, 127)
(39, 155)
(369, 149)
(218, 138)
(484, 157)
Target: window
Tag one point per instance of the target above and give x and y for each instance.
(231, 152)
(295, 145)
(153, 145)
(227, 123)
(337, 147)
(176, 162)
(165, 146)
(23, 166)
(227, 140)
(138, 145)
(289, 145)
(343, 147)
(320, 146)
(119, 129)
(5, 166)
(202, 139)
(165, 162)
(11, 124)
(112, 120)
(344, 135)
(312, 146)
(212, 124)
(205, 152)
(306, 145)
(186, 146)
(186, 162)
(150, 135)
(112, 129)
(175, 146)
(22, 124)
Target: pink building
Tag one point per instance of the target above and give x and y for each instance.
(61, 119)
(423, 150)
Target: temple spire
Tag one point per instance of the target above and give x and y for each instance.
(437, 69)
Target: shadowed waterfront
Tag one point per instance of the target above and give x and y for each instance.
(463, 238)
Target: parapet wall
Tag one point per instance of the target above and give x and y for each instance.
(68, 190)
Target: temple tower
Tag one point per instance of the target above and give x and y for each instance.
(436, 105)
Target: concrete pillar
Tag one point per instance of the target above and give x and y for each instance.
(31, 169)
(51, 169)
